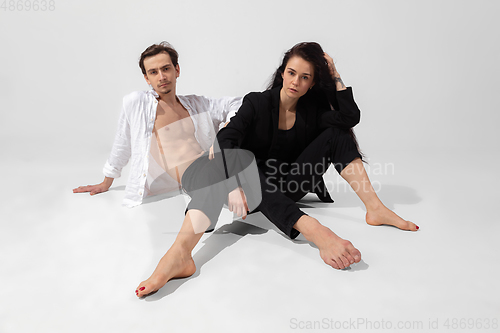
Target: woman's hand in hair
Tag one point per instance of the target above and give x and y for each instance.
(335, 74)
(331, 65)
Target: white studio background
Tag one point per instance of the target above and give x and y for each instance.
(424, 73)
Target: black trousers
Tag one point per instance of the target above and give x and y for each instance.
(208, 182)
(270, 187)
(283, 184)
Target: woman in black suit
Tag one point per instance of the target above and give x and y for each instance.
(296, 129)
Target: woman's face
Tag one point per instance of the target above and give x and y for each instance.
(298, 77)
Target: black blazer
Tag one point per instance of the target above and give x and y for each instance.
(255, 125)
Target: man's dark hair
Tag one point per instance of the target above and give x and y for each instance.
(155, 49)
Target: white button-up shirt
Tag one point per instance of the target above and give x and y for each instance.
(135, 127)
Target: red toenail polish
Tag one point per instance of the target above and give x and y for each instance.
(417, 227)
(142, 288)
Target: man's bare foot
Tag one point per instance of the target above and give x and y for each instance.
(335, 251)
(174, 264)
(383, 215)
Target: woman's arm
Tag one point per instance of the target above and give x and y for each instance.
(346, 113)
(335, 74)
(229, 138)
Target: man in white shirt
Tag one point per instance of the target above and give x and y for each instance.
(165, 135)
(144, 113)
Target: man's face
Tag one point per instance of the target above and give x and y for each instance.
(161, 73)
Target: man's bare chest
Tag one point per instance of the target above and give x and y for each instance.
(173, 124)
(166, 116)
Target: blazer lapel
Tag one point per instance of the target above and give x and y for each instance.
(301, 124)
(275, 114)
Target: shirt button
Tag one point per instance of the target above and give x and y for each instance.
(140, 192)
(144, 175)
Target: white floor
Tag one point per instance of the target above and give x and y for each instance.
(71, 263)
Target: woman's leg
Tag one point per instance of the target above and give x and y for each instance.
(376, 213)
(284, 213)
(333, 145)
(336, 146)
(335, 251)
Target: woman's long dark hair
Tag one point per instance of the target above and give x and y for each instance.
(323, 81)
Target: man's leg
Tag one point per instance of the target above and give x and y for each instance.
(206, 183)
(376, 213)
(203, 183)
(177, 262)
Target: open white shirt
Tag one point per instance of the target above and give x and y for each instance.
(135, 127)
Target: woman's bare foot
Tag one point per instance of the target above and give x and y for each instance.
(335, 251)
(382, 215)
(174, 264)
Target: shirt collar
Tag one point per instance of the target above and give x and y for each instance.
(154, 93)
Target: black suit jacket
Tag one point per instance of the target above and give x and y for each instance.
(255, 125)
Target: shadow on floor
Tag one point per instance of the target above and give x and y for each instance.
(390, 195)
(214, 244)
(356, 267)
(231, 233)
(117, 188)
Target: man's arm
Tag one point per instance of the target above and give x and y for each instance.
(95, 189)
(222, 109)
(118, 158)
